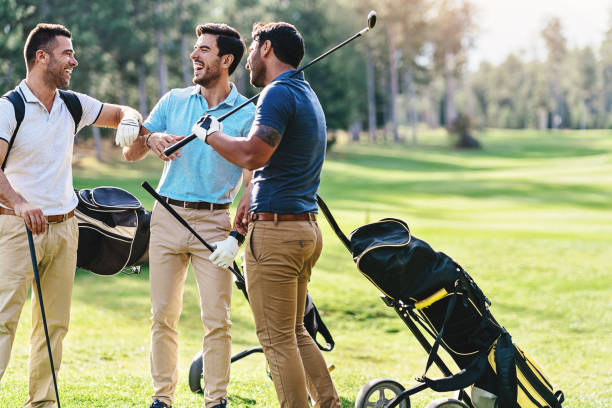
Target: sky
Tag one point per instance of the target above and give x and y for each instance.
(507, 26)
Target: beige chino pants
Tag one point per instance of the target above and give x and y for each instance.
(171, 249)
(279, 262)
(56, 252)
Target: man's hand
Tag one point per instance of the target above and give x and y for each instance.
(241, 220)
(127, 132)
(33, 216)
(159, 142)
(205, 126)
(225, 253)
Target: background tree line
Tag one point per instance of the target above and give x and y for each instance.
(410, 70)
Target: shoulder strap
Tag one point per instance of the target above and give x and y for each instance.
(19, 105)
(74, 107)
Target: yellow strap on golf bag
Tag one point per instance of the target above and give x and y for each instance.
(533, 388)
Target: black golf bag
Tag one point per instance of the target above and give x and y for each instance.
(113, 230)
(433, 290)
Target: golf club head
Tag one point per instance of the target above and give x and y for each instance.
(371, 19)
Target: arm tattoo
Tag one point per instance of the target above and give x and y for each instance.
(269, 135)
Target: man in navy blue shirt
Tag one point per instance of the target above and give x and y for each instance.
(286, 146)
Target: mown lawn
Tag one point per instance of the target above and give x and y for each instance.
(529, 217)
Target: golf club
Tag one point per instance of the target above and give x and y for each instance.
(42, 310)
(371, 23)
(239, 278)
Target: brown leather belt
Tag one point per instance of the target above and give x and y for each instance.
(197, 205)
(51, 219)
(307, 216)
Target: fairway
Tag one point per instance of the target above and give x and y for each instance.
(529, 217)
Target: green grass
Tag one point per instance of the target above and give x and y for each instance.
(529, 217)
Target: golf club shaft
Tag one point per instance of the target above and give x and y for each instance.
(169, 151)
(42, 309)
(180, 219)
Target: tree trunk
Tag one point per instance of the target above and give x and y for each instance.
(142, 89)
(450, 84)
(162, 69)
(96, 130)
(411, 103)
(370, 79)
(185, 50)
(394, 82)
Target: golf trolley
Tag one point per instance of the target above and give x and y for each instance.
(432, 293)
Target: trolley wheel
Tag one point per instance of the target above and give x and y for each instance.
(195, 374)
(378, 393)
(446, 403)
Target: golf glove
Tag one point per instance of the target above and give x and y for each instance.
(225, 252)
(127, 132)
(205, 126)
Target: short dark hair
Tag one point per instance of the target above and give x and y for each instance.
(228, 41)
(41, 38)
(286, 40)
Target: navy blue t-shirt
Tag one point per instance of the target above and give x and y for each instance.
(288, 183)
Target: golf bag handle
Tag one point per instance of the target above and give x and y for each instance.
(234, 269)
(332, 222)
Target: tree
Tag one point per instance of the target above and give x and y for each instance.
(452, 35)
(557, 50)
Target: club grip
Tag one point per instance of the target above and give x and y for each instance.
(169, 151)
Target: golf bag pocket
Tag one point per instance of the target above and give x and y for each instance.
(113, 230)
(520, 381)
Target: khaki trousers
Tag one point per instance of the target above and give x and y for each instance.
(56, 256)
(171, 249)
(279, 262)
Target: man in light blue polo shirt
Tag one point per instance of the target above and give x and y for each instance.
(200, 185)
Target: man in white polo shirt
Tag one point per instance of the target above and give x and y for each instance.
(36, 187)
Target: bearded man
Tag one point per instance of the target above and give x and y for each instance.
(38, 123)
(200, 185)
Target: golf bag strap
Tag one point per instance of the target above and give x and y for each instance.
(321, 328)
(462, 379)
(74, 107)
(333, 223)
(436, 345)
(15, 98)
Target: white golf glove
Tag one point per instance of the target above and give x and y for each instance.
(127, 132)
(225, 253)
(205, 126)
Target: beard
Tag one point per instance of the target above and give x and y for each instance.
(55, 74)
(209, 76)
(257, 71)
(258, 75)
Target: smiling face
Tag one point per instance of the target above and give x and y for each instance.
(61, 62)
(206, 60)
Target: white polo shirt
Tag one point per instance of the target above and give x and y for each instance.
(39, 165)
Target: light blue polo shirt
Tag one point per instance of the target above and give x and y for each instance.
(200, 174)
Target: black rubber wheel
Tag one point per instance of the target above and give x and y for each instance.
(378, 393)
(195, 374)
(446, 403)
